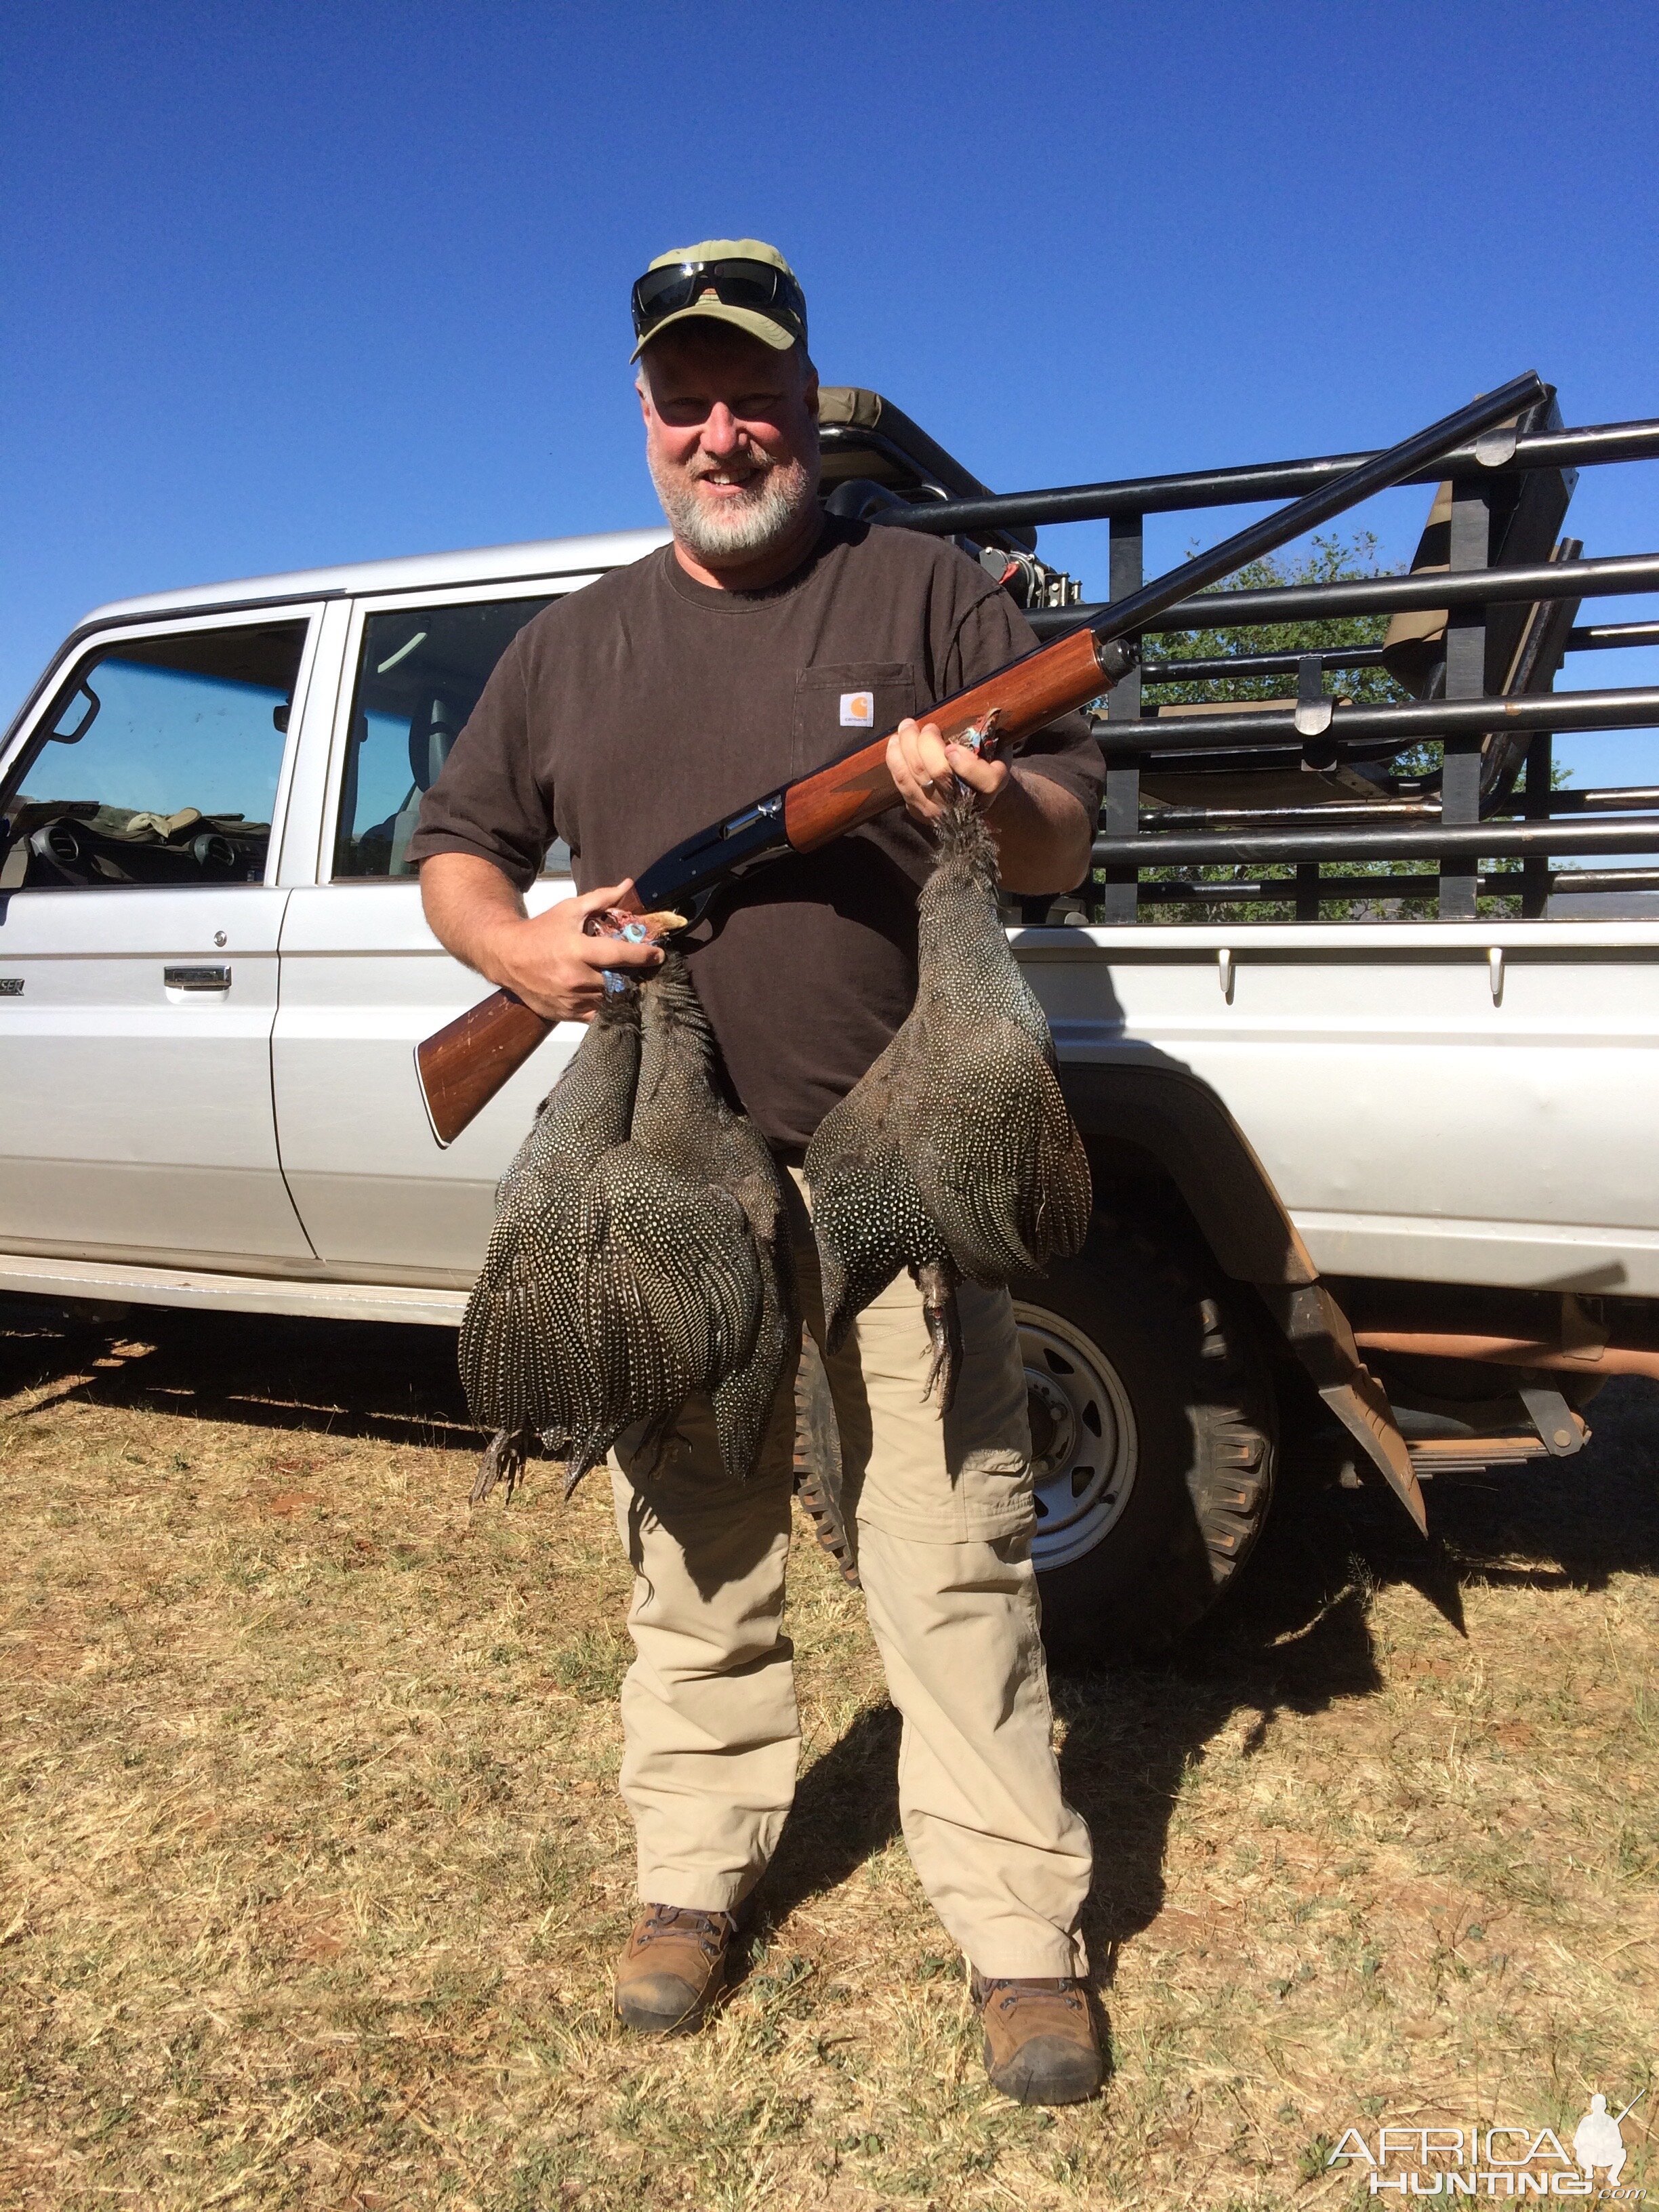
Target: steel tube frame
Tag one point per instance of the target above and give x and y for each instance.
(1145, 609)
(1564, 449)
(1282, 889)
(1605, 799)
(1410, 723)
(1482, 839)
(1598, 637)
(1607, 637)
(1611, 799)
(1623, 574)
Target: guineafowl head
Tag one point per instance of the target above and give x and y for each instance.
(623, 983)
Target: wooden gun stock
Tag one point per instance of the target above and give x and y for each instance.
(462, 1066)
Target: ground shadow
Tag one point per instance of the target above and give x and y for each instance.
(376, 1381)
(845, 1810)
(1294, 1635)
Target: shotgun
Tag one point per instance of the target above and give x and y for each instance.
(464, 1065)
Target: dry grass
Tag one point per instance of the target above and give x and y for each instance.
(312, 1862)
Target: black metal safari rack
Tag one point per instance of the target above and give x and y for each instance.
(1441, 796)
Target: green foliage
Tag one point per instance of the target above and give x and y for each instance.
(1329, 559)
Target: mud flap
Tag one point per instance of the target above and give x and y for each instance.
(1317, 1329)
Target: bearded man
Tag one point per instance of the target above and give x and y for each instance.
(748, 651)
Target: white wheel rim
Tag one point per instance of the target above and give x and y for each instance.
(1083, 1444)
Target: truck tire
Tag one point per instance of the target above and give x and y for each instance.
(1153, 1441)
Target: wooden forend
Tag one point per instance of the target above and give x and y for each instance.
(1029, 696)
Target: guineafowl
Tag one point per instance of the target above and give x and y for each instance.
(954, 1154)
(524, 1354)
(687, 1280)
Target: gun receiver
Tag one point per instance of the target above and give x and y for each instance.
(464, 1065)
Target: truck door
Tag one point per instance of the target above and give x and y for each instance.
(363, 978)
(139, 952)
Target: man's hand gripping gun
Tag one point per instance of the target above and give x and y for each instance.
(464, 1065)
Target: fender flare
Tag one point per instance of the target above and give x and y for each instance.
(1176, 1119)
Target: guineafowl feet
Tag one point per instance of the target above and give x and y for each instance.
(503, 1462)
(937, 1281)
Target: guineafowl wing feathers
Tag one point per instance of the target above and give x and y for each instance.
(999, 1165)
(520, 1350)
(957, 1142)
(521, 1357)
(671, 1287)
(743, 1400)
(868, 1222)
(868, 1219)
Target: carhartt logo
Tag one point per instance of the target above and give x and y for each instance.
(858, 710)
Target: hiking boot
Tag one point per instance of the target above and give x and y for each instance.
(673, 1968)
(1039, 2046)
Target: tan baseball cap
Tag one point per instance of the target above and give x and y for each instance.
(780, 322)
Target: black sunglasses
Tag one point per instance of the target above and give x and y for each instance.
(663, 292)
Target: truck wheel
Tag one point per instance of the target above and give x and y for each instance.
(1152, 1436)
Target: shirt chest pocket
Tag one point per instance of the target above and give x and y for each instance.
(838, 709)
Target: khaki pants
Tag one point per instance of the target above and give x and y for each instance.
(943, 1521)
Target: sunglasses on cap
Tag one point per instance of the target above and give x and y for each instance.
(754, 284)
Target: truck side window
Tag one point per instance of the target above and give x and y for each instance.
(158, 763)
(419, 677)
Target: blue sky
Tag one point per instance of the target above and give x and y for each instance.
(292, 284)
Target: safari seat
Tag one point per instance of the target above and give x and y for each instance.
(433, 729)
(433, 725)
(868, 446)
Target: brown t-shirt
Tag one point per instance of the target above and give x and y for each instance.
(640, 709)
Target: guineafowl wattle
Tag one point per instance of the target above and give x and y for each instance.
(954, 1154)
(524, 1354)
(687, 1280)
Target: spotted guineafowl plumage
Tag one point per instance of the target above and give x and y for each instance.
(954, 1154)
(524, 1354)
(688, 1284)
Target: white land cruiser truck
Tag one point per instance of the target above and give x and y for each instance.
(1405, 1167)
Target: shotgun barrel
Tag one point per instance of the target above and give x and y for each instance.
(461, 1067)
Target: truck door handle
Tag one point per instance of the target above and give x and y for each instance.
(214, 977)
